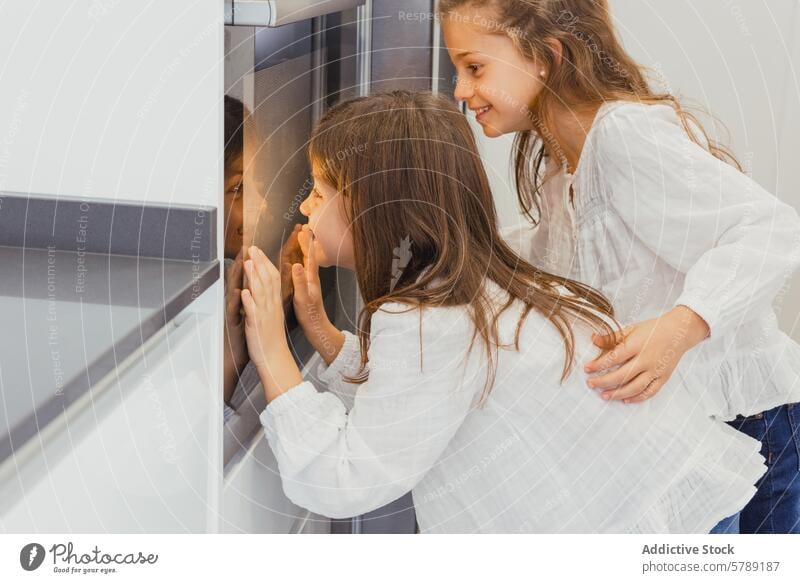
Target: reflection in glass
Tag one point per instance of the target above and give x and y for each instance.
(234, 347)
(287, 77)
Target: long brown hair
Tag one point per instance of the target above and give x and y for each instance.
(593, 68)
(408, 169)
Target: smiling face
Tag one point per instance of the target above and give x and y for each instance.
(495, 79)
(324, 208)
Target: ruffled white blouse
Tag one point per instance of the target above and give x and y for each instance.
(656, 221)
(539, 456)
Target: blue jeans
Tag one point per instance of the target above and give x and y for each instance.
(775, 508)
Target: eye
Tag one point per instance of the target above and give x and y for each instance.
(315, 193)
(236, 190)
(473, 68)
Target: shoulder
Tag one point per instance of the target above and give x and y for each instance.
(617, 112)
(434, 322)
(628, 122)
(629, 134)
(414, 340)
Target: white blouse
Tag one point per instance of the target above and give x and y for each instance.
(656, 222)
(539, 456)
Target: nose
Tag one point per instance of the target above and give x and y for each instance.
(305, 207)
(464, 90)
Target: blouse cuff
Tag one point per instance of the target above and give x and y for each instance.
(290, 400)
(702, 308)
(346, 362)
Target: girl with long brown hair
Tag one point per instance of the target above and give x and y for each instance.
(628, 194)
(459, 384)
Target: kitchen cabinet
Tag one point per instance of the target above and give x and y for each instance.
(137, 453)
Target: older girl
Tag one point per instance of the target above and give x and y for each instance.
(630, 196)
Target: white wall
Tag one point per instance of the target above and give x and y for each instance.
(737, 59)
(112, 99)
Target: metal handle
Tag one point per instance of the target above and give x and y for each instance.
(279, 12)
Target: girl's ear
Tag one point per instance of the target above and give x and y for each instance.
(556, 49)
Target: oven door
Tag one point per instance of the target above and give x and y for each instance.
(286, 77)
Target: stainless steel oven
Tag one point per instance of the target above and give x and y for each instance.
(286, 62)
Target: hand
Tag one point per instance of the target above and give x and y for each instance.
(645, 354)
(290, 254)
(309, 306)
(234, 322)
(264, 326)
(235, 348)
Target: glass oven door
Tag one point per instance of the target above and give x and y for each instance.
(283, 79)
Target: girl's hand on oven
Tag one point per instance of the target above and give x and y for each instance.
(309, 306)
(264, 326)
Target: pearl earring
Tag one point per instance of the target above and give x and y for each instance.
(542, 74)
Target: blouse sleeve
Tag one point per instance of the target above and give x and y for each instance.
(341, 464)
(736, 243)
(346, 364)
